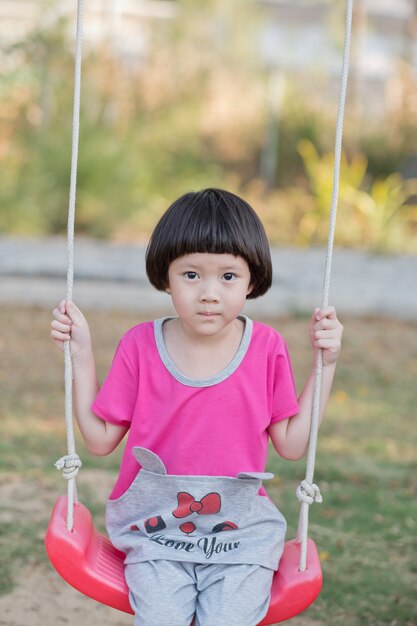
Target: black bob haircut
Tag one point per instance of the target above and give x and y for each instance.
(214, 221)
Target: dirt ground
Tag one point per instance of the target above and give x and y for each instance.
(39, 596)
(43, 599)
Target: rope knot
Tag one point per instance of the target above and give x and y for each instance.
(69, 465)
(309, 493)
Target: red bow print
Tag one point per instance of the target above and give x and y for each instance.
(208, 505)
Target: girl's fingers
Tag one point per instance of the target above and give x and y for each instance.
(327, 311)
(58, 336)
(326, 320)
(327, 344)
(327, 324)
(74, 312)
(327, 332)
(61, 317)
(64, 328)
(68, 312)
(327, 338)
(68, 323)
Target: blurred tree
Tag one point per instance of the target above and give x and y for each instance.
(194, 114)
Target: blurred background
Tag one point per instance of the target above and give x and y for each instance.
(241, 94)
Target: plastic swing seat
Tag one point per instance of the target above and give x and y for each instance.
(89, 563)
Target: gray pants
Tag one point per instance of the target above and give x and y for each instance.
(171, 593)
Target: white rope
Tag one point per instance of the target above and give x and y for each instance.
(307, 491)
(71, 463)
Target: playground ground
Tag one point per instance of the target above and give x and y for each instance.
(365, 529)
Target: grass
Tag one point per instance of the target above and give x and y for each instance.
(365, 529)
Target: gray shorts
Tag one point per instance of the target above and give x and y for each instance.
(171, 593)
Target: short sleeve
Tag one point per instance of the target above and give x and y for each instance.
(284, 395)
(117, 397)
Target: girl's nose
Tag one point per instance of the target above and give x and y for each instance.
(209, 293)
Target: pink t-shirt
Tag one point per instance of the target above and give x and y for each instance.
(215, 426)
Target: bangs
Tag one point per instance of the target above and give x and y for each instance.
(207, 227)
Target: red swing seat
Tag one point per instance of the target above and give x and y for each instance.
(89, 563)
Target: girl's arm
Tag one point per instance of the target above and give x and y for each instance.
(290, 436)
(70, 325)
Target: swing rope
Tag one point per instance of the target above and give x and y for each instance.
(71, 463)
(307, 492)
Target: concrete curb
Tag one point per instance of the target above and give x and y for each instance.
(112, 276)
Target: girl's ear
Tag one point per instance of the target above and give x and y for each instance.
(250, 289)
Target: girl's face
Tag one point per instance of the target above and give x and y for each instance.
(208, 290)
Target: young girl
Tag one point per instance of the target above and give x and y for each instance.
(199, 394)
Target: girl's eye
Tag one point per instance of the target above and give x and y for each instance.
(191, 275)
(229, 276)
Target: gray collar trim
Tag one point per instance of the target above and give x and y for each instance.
(203, 382)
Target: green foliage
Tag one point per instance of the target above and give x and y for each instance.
(144, 137)
(195, 114)
(389, 143)
(36, 165)
(374, 215)
(297, 122)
